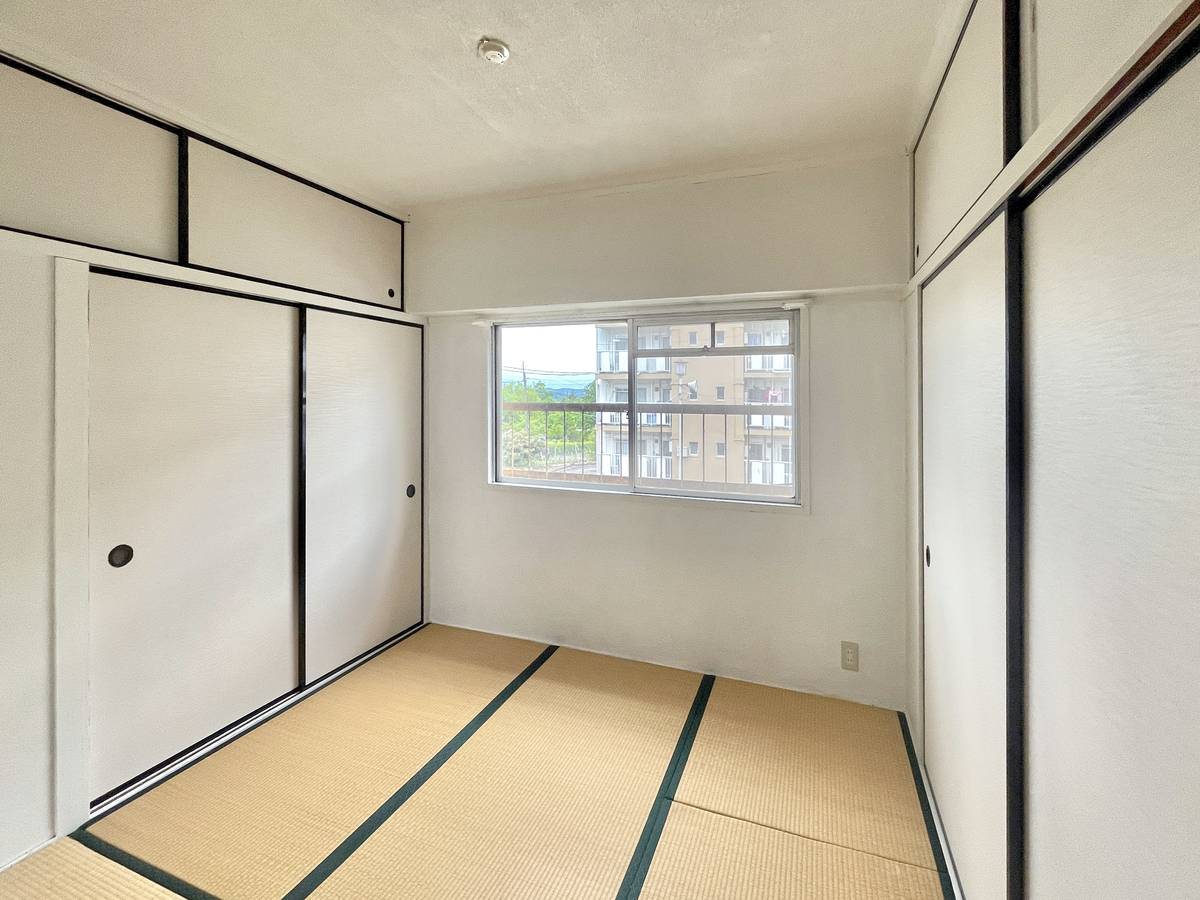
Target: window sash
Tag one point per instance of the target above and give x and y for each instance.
(634, 358)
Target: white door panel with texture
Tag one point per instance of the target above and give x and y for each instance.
(193, 436)
(363, 451)
(963, 433)
(1112, 306)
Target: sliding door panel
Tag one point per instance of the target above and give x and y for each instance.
(73, 168)
(1112, 303)
(363, 485)
(963, 424)
(194, 430)
(245, 218)
(962, 146)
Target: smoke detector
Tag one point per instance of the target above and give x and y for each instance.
(494, 51)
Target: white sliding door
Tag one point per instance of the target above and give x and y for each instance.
(363, 485)
(192, 465)
(964, 513)
(1113, 321)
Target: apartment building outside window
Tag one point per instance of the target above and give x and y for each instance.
(706, 405)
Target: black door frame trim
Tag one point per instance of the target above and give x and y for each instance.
(199, 268)
(1015, 464)
(302, 499)
(229, 292)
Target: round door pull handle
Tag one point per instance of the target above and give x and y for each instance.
(411, 490)
(120, 555)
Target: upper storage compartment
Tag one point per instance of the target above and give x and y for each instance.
(961, 148)
(247, 218)
(73, 168)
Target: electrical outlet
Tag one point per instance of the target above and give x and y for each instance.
(850, 656)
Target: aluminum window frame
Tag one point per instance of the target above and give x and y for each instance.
(798, 409)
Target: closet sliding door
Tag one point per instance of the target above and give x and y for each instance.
(194, 431)
(963, 440)
(362, 485)
(1112, 317)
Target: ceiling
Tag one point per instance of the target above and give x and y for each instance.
(388, 102)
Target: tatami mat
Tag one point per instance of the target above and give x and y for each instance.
(547, 799)
(255, 817)
(702, 854)
(68, 870)
(821, 768)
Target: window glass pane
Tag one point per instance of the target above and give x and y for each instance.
(715, 455)
(718, 423)
(715, 379)
(552, 424)
(755, 333)
(691, 335)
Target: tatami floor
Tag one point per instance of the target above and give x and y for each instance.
(467, 765)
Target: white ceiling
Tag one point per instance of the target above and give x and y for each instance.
(388, 102)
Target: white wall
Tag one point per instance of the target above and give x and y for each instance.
(760, 594)
(817, 226)
(26, 486)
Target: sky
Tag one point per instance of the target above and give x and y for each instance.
(554, 348)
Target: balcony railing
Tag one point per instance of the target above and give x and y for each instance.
(612, 360)
(782, 422)
(766, 472)
(769, 363)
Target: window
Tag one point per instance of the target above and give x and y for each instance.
(616, 405)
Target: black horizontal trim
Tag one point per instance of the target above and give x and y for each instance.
(208, 289)
(199, 268)
(319, 685)
(117, 105)
(359, 836)
(136, 864)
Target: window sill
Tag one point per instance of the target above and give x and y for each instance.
(752, 506)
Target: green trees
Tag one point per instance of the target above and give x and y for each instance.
(561, 440)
